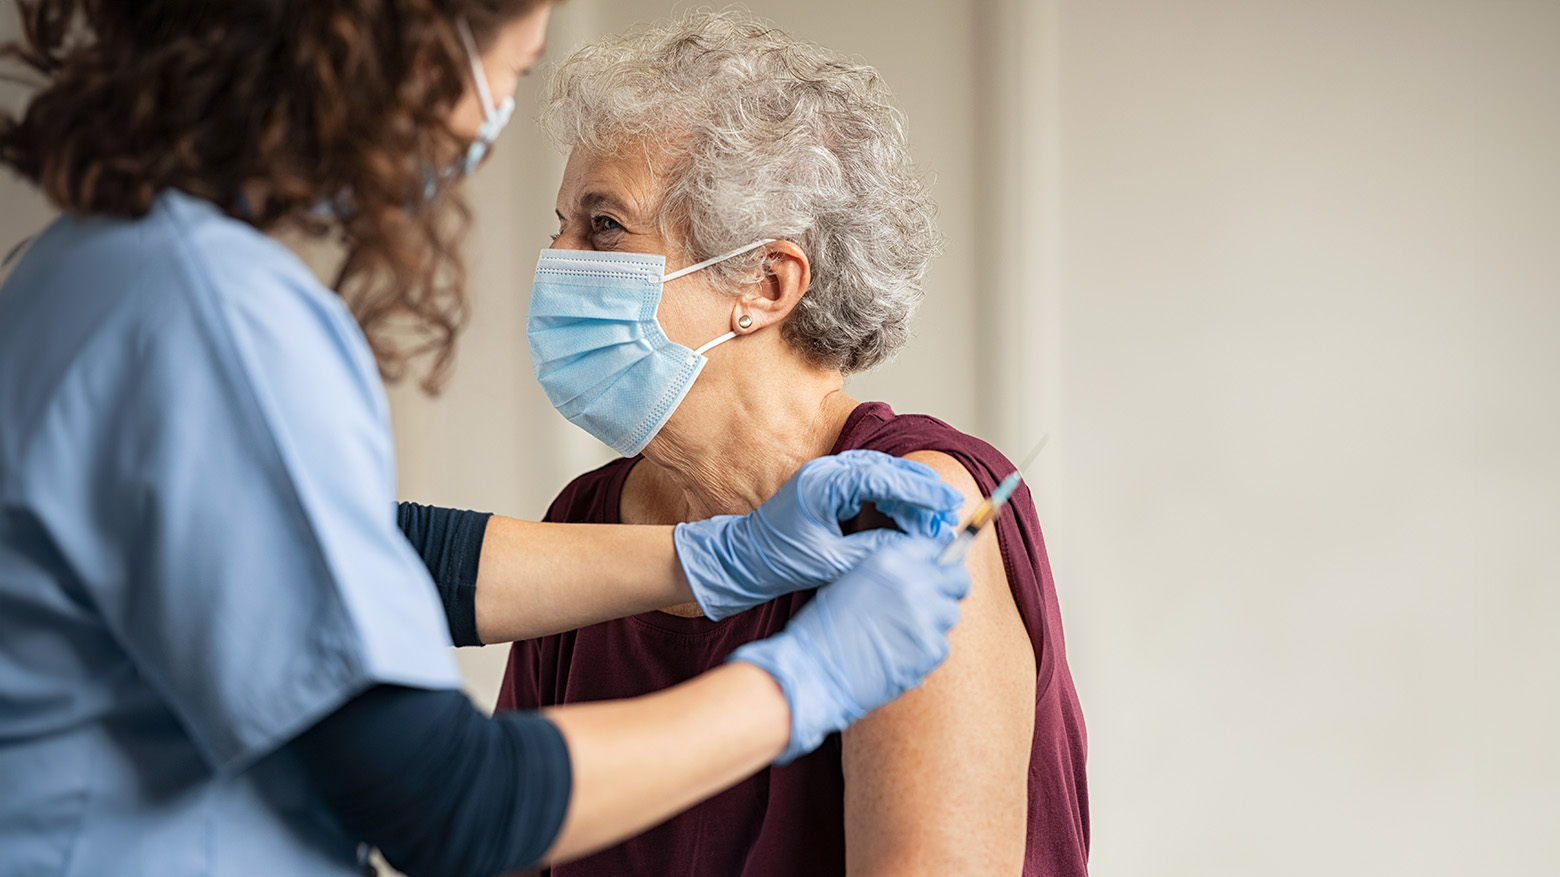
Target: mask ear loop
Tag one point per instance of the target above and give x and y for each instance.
(489, 109)
(683, 272)
(712, 345)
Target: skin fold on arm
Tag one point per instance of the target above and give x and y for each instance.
(937, 781)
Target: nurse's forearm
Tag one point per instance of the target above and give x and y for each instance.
(442, 789)
(538, 579)
(637, 762)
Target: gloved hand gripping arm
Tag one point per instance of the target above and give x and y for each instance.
(535, 579)
(794, 541)
(864, 640)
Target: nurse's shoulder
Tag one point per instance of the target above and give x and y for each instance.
(102, 308)
(263, 288)
(194, 428)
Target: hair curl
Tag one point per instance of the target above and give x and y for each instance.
(343, 102)
(767, 136)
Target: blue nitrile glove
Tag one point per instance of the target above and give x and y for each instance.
(793, 541)
(864, 640)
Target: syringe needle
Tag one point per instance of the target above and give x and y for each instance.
(1039, 446)
(988, 510)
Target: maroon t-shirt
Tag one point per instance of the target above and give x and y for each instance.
(791, 820)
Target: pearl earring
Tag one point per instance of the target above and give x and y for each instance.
(745, 322)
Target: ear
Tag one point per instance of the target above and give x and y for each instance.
(787, 275)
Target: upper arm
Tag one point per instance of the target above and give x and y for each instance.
(936, 782)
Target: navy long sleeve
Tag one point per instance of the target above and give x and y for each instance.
(440, 788)
(450, 544)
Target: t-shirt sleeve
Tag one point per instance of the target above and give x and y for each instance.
(235, 530)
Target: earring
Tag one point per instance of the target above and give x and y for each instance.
(745, 322)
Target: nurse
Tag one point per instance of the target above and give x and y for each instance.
(218, 652)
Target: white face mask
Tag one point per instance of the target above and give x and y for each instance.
(494, 118)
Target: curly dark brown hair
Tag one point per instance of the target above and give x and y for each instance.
(306, 102)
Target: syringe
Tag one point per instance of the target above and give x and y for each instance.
(985, 513)
(988, 510)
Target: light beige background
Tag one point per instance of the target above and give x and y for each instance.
(1282, 282)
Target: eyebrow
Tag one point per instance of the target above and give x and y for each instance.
(591, 200)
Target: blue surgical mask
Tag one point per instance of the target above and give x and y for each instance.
(598, 349)
(494, 118)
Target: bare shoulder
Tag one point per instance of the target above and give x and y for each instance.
(990, 606)
(936, 782)
(953, 473)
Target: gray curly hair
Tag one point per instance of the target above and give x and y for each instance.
(766, 136)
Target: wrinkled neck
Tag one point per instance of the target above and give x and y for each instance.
(733, 444)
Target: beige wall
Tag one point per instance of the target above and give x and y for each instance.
(1282, 281)
(1310, 349)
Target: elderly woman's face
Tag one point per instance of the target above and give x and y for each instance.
(608, 202)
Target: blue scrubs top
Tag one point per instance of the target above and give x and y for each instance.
(199, 555)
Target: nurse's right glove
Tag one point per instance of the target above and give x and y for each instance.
(794, 541)
(864, 640)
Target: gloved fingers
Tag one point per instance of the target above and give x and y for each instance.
(862, 457)
(939, 655)
(917, 559)
(955, 580)
(918, 521)
(864, 639)
(858, 547)
(914, 552)
(906, 491)
(947, 614)
(932, 650)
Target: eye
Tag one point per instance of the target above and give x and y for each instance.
(604, 224)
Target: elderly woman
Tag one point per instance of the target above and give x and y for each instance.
(773, 177)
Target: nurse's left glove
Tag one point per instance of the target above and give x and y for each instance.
(794, 541)
(862, 641)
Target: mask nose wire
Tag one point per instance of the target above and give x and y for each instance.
(683, 272)
(489, 108)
